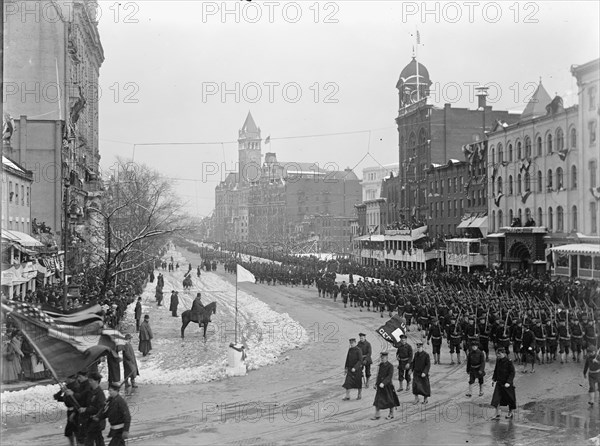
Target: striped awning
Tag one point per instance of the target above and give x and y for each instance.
(577, 248)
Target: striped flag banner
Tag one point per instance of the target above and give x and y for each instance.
(80, 316)
(65, 348)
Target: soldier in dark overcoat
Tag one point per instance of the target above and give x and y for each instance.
(353, 368)
(504, 391)
(420, 368)
(385, 397)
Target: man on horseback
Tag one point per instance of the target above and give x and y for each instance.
(197, 307)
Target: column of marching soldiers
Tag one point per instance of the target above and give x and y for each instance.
(557, 327)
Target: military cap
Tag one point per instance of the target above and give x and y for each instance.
(95, 376)
(384, 353)
(501, 350)
(82, 373)
(115, 386)
(419, 343)
(362, 334)
(352, 340)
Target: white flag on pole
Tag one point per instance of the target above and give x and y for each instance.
(243, 275)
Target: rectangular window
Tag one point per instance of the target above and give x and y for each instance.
(28, 203)
(593, 218)
(22, 195)
(449, 207)
(592, 132)
(455, 210)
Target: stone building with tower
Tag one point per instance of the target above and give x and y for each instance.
(268, 202)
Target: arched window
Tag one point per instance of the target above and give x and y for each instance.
(510, 185)
(549, 143)
(493, 220)
(519, 184)
(500, 153)
(510, 216)
(422, 138)
(560, 139)
(527, 214)
(499, 185)
(520, 215)
(539, 221)
(574, 218)
(493, 187)
(550, 219)
(412, 143)
(527, 183)
(559, 219)
(573, 138)
(527, 147)
(574, 177)
(559, 178)
(549, 182)
(493, 153)
(500, 222)
(539, 146)
(519, 150)
(510, 152)
(540, 184)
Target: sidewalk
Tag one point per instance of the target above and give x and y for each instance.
(22, 385)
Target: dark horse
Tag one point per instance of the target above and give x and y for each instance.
(187, 282)
(203, 320)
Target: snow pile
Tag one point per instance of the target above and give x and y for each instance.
(266, 335)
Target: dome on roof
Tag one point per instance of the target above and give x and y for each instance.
(409, 74)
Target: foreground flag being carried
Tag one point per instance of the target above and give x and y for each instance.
(65, 348)
(393, 329)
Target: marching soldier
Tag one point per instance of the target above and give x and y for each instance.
(404, 354)
(564, 341)
(454, 335)
(528, 348)
(592, 366)
(540, 339)
(484, 336)
(590, 334)
(576, 339)
(435, 334)
(551, 340)
(517, 339)
(366, 350)
(119, 418)
(475, 367)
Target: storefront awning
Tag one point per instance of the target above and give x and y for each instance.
(577, 248)
(480, 223)
(21, 238)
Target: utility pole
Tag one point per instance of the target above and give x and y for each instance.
(65, 242)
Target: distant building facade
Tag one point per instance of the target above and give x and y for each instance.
(372, 180)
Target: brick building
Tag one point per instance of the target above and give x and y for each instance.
(430, 135)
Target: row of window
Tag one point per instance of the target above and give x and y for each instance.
(554, 142)
(453, 185)
(553, 181)
(22, 226)
(554, 219)
(13, 194)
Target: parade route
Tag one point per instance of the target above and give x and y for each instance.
(298, 399)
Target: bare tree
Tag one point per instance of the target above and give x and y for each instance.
(139, 212)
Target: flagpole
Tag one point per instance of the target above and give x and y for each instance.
(236, 303)
(417, 63)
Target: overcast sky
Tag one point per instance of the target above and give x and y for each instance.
(167, 63)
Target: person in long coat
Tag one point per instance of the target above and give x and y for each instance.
(353, 367)
(130, 367)
(174, 303)
(504, 391)
(385, 397)
(145, 336)
(12, 355)
(420, 368)
(138, 313)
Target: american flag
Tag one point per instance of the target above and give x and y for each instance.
(65, 348)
